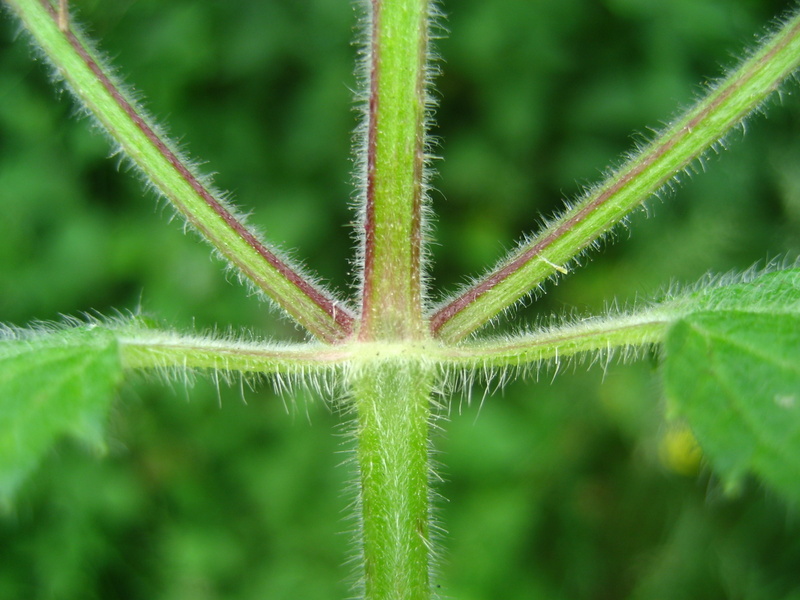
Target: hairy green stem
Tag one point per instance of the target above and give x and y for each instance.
(392, 394)
(392, 399)
(145, 349)
(173, 175)
(597, 335)
(394, 163)
(166, 350)
(742, 92)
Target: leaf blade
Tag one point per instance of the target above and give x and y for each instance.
(734, 375)
(51, 385)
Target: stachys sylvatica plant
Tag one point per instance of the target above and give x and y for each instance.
(390, 355)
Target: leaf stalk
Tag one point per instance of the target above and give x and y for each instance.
(644, 174)
(173, 175)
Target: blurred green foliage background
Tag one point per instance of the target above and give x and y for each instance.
(553, 490)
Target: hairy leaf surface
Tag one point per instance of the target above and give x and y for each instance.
(734, 374)
(52, 384)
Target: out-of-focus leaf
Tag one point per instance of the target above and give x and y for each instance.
(734, 374)
(52, 384)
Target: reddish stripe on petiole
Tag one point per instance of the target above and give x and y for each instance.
(372, 137)
(342, 318)
(441, 317)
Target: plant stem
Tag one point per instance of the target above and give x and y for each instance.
(651, 168)
(394, 161)
(597, 336)
(143, 349)
(393, 403)
(391, 393)
(173, 175)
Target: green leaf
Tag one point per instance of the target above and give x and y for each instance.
(52, 383)
(734, 373)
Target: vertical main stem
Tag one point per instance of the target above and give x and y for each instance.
(392, 393)
(394, 179)
(393, 403)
